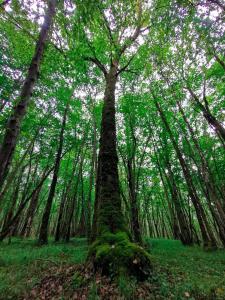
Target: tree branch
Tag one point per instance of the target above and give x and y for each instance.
(136, 33)
(126, 66)
(97, 63)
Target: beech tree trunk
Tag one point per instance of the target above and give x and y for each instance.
(109, 214)
(14, 123)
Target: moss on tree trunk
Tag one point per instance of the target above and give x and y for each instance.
(113, 251)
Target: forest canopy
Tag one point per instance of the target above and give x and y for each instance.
(112, 125)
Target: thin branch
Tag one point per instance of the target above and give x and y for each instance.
(106, 23)
(136, 33)
(126, 66)
(13, 21)
(97, 63)
(204, 96)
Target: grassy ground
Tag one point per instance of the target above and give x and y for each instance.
(189, 272)
(180, 272)
(23, 264)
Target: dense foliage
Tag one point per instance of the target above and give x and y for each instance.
(112, 124)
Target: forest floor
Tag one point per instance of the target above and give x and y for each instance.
(55, 272)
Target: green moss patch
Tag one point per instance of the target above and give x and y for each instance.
(115, 254)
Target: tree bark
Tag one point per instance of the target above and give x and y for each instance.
(135, 224)
(43, 235)
(14, 123)
(109, 215)
(207, 235)
(218, 127)
(26, 229)
(22, 205)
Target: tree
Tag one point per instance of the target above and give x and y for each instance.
(110, 225)
(13, 125)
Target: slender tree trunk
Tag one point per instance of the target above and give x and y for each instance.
(22, 205)
(43, 235)
(218, 127)
(91, 180)
(26, 229)
(136, 230)
(59, 220)
(207, 235)
(2, 105)
(65, 199)
(219, 60)
(14, 123)
(14, 199)
(81, 231)
(14, 172)
(96, 206)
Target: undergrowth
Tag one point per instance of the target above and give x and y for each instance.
(179, 272)
(23, 264)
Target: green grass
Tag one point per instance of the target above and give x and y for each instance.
(180, 272)
(23, 264)
(189, 270)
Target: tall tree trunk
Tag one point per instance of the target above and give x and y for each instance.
(92, 179)
(14, 123)
(208, 184)
(109, 215)
(111, 229)
(73, 203)
(207, 235)
(2, 105)
(135, 225)
(66, 200)
(26, 229)
(218, 127)
(14, 199)
(22, 205)
(43, 235)
(60, 215)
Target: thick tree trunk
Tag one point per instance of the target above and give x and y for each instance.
(113, 251)
(109, 216)
(13, 125)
